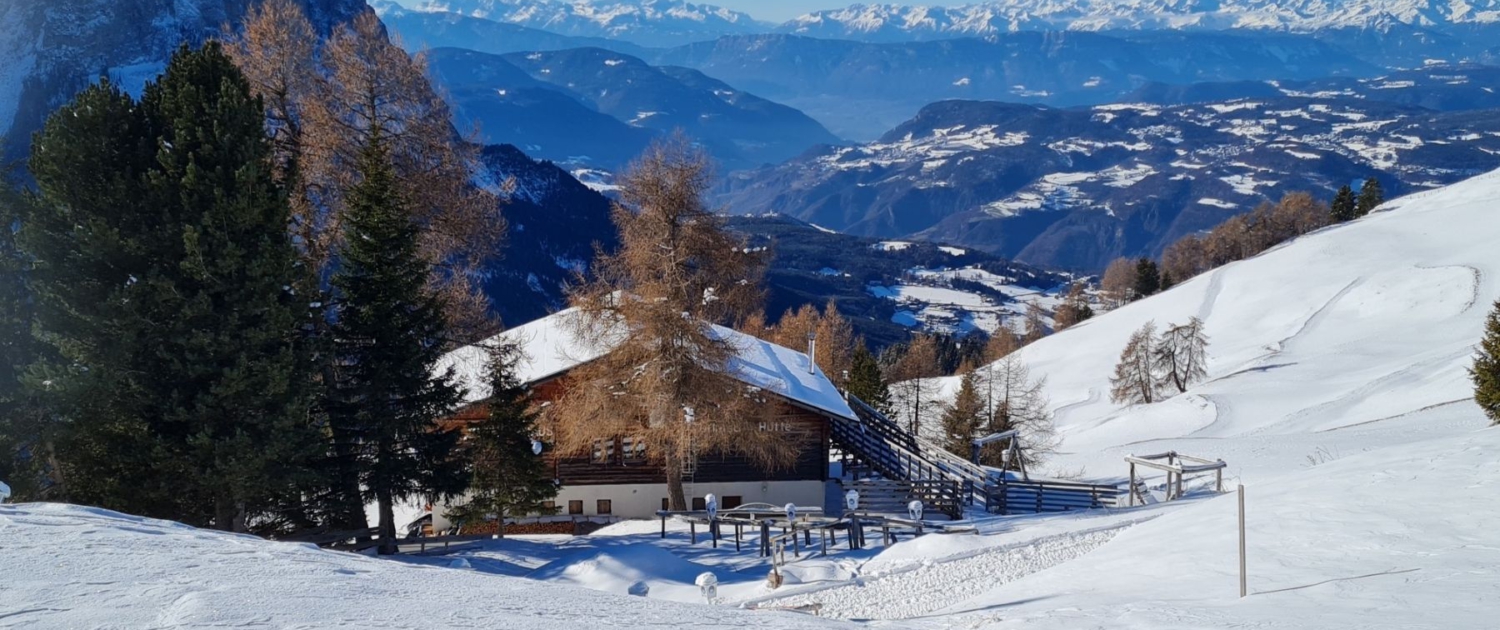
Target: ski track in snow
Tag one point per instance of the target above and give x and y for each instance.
(934, 586)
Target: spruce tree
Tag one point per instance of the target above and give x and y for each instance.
(1147, 278)
(1344, 205)
(866, 382)
(386, 400)
(509, 478)
(231, 379)
(964, 417)
(1371, 195)
(17, 351)
(162, 267)
(92, 240)
(1486, 369)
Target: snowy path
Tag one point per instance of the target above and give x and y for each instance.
(933, 586)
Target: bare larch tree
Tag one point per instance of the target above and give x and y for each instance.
(1179, 357)
(1135, 380)
(665, 375)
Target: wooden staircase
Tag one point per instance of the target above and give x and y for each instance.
(882, 445)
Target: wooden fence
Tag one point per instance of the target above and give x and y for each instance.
(1049, 496)
(891, 497)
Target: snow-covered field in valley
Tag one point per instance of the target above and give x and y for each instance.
(1337, 392)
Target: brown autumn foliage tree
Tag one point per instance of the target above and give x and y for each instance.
(834, 335)
(1001, 344)
(325, 103)
(1118, 283)
(912, 387)
(653, 304)
(1074, 309)
(1243, 236)
(1185, 258)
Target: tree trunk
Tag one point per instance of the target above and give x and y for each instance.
(676, 496)
(224, 513)
(387, 523)
(347, 510)
(56, 472)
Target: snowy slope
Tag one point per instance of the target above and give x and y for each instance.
(75, 567)
(1394, 539)
(1346, 331)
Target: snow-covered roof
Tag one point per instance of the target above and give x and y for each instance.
(550, 347)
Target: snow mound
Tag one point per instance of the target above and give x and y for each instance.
(616, 569)
(75, 567)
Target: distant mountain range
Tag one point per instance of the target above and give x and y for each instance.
(863, 89)
(669, 22)
(1074, 188)
(813, 265)
(643, 22)
(896, 22)
(598, 108)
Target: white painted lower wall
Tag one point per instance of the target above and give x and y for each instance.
(643, 500)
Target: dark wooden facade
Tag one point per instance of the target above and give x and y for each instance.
(614, 463)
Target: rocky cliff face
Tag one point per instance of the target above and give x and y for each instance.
(50, 49)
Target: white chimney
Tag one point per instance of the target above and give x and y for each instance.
(812, 352)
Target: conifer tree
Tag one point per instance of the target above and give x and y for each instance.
(1167, 281)
(964, 418)
(866, 381)
(228, 317)
(1344, 205)
(18, 426)
(83, 234)
(1486, 369)
(1135, 381)
(1147, 278)
(164, 269)
(509, 477)
(387, 398)
(1371, 195)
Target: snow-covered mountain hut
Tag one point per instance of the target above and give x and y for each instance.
(617, 478)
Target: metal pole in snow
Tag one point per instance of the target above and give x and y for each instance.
(1243, 589)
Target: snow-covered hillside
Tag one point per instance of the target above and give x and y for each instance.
(1075, 188)
(75, 567)
(1338, 342)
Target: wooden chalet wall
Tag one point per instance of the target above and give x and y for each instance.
(792, 422)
